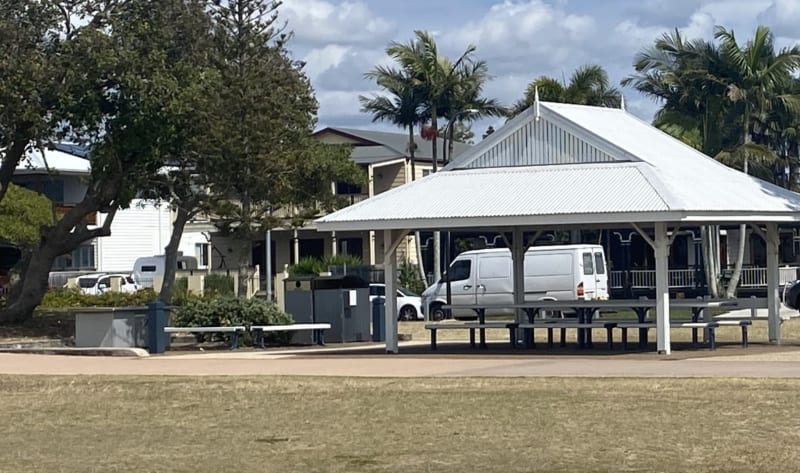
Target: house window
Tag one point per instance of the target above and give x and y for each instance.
(203, 253)
(343, 188)
(425, 172)
(80, 258)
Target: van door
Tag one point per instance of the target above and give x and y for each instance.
(494, 281)
(601, 275)
(588, 278)
(462, 285)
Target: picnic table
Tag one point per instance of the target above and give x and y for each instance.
(585, 310)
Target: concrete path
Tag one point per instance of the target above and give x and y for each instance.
(764, 363)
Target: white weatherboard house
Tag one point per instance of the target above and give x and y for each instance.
(559, 166)
(141, 230)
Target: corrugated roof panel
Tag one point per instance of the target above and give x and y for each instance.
(515, 191)
(58, 161)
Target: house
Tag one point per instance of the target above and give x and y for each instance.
(386, 161)
(141, 230)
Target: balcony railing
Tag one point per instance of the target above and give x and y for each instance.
(686, 278)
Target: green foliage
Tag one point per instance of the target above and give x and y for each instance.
(217, 285)
(22, 214)
(66, 298)
(409, 277)
(306, 266)
(588, 85)
(232, 311)
(313, 266)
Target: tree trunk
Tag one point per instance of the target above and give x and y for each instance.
(34, 285)
(450, 143)
(411, 152)
(412, 148)
(709, 261)
(11, 159)
(182, 216)
(737, 269)
(437, 242)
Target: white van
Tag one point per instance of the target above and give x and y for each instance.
(566, 272)
(146, 268)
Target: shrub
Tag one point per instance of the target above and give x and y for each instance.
(218, 285)
(64, 298)
(342, 259)
(313, 266)
(306, 266)
(409, 277)
(231, 311)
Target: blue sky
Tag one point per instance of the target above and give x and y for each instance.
(520, 39)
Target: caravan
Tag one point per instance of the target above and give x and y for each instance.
(149, 270)
(566, 272)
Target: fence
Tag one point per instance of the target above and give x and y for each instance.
(687, 278)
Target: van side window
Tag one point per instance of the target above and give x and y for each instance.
(588, 264)
(148, 269)
(599, 264)
(460, 270)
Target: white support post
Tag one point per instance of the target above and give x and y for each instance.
(518, 248)
(773, 282)
(296, 246)
(661, 246)
(334, 244)
(391, 240)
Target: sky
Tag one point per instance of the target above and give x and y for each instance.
(520, 40)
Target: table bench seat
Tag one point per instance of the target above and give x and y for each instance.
(235, 330)
(472, 327)
(317, 331)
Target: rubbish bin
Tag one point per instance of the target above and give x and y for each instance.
(378, 312)
(156, 321)
(342, 301)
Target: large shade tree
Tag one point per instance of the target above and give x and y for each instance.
(114, 70)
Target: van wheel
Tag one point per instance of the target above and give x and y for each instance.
(437, 312)
(407, 312)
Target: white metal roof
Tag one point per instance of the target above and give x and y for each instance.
(57, 161)
(573, 165)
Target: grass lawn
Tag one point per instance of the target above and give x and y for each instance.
(162, 424)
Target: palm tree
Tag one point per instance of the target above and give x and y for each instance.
(760, 76)
(756, 85)
(403, 106)
(465, 101)
(588, 85)
(435, 75)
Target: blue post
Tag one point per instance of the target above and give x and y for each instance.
(156, 321)
(378, 320)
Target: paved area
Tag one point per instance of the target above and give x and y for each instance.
(368, 362)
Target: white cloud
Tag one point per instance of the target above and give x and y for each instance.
(319, 60)
(531, 31)
(783, 16)
(322, 22)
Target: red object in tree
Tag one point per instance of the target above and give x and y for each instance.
(428, 132)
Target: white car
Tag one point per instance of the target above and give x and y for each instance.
(99, 283)
(409, 304)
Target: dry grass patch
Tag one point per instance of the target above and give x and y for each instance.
(380, 425)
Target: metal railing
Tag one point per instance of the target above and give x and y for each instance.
(686, 278)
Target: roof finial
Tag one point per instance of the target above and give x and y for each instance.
(536, 110)
(622, 102)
